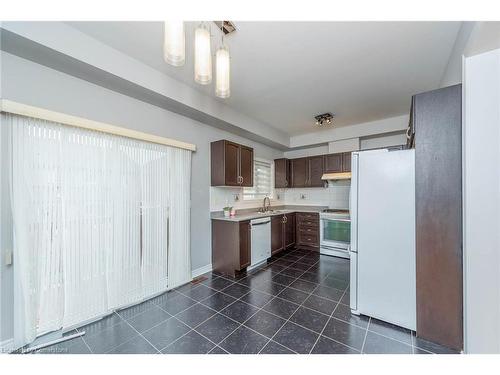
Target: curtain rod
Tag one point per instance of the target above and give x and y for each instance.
(9, 106)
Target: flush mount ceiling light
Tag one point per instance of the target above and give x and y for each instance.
(174, 49)
(174, 53)
(324, 119)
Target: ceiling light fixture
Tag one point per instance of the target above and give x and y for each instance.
(174, 48)
(324, 119)
(202, 55)
(174, 53)
(222, 69)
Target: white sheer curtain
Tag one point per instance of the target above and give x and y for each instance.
(85, 191)
(179, 270)
(37, 218)
(124, 253)
(92, 217)
(155, 210)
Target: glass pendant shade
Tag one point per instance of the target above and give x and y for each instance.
(223, 73)
(202, 56)
(174, 43)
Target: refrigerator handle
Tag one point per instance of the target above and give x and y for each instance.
(353, 202)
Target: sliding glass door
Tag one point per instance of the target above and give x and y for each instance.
(95, 217)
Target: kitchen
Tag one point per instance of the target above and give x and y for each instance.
(375, 228)
(306, 200)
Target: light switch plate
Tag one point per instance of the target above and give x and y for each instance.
(8, 257)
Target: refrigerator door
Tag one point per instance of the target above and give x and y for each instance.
(386, 236)
(353, 208)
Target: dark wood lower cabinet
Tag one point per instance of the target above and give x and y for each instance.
(307, 232)
(282, 232)
(231, 246)
(276, 234)
(245, 244)
(232, 240)
(289, 230)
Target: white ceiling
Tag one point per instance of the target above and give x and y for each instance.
(285, 73)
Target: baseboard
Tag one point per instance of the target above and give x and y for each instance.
(6, 346)
(200, 271)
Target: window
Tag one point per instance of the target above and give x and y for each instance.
(262, 181)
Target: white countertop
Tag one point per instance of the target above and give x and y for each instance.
(278, 211)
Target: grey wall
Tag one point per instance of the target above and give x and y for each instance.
(473, 38)
(453, 72)
(395, 139)
(33, 84)
(6, 272)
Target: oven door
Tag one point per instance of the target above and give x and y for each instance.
(335, 233)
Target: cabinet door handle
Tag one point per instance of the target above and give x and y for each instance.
(242, 179)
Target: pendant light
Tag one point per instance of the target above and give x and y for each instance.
(202, 55)
(222, 70)
(174, 49)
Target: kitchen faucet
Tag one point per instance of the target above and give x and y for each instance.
(264, 207)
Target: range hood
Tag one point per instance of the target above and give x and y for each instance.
(336, 176)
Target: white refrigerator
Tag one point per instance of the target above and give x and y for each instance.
(383, 236)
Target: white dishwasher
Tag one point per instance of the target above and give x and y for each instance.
(261, 241)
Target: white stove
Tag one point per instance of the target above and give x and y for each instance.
(335, 232)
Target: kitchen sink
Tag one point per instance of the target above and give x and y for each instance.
(269, 212)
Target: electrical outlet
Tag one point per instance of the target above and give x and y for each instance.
(8, 257)
(302, 196)
(236, 197)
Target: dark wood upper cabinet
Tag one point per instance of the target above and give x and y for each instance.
(298, 171)
(276, 234)
(315, 171)
(282, 173)
(333, 163)
(307, 172)
(336, 163)
(437, 122)
(346, 162)
(245, 244)
(246, 166)
(231, 164)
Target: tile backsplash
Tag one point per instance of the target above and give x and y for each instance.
(221, 197)
(336, 195)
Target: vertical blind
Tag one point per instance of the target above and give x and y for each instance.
(262, 181)
(100, 222)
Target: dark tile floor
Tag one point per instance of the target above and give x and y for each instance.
(297, 303)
